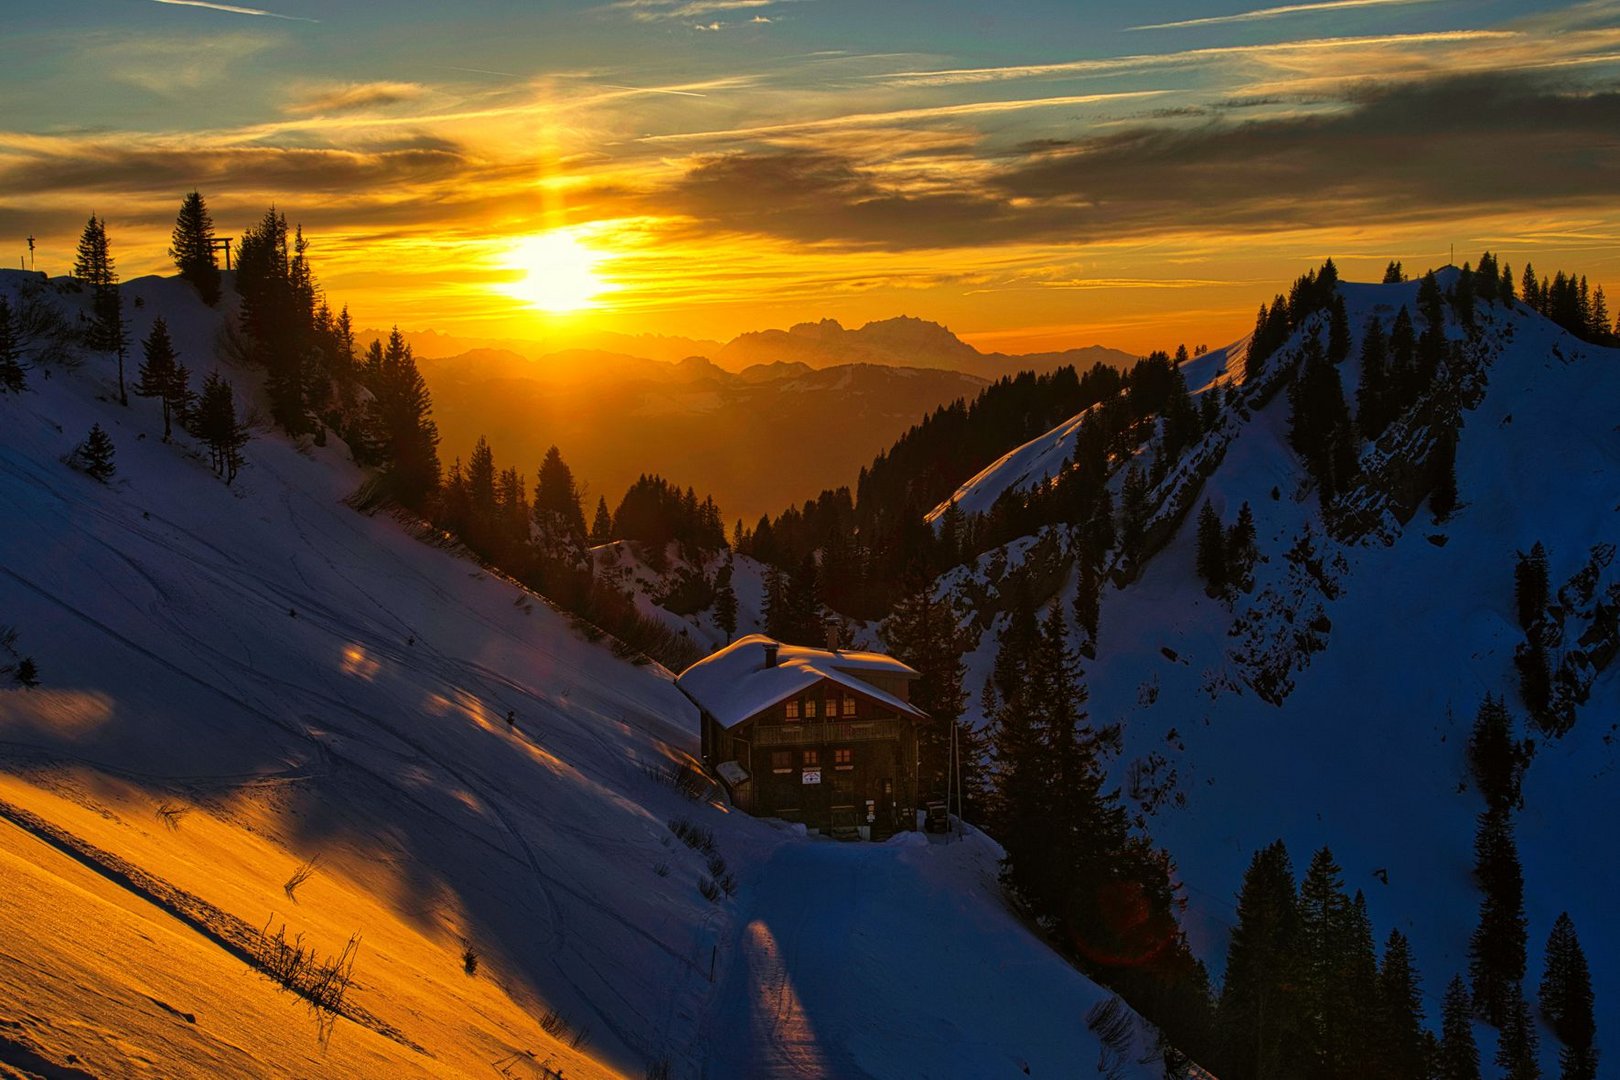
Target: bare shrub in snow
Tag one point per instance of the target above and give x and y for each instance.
(170, 814)
(299, 876)
(692, 834)
(1111, 1022)
(321, 981)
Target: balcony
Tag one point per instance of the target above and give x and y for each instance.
(818, 734)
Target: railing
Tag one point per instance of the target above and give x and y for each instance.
(817, 734)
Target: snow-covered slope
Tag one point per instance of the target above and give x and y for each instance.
(240, 681)
(1365, 753)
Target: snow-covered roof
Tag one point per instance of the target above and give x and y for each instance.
(733, 684)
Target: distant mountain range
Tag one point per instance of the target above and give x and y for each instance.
(817, 401)
(899, 342)
(755, 440)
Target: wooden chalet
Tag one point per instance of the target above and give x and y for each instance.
(823, 737)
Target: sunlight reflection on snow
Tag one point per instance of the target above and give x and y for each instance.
(356, 662)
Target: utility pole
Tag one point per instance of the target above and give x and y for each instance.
(30, 251)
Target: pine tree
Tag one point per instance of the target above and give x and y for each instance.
(1529, 288)
(158, 370)
(1338, 348)
(1459, 1056)
(1015, 643)
(801, 607)
(1400, 1035)
(96, 454)
(1212, 557)
(1393, 274)
(217, 425)
(557, 508)
(94, 266)
(602, 524)
(278, 314)
(725, 602)
(1530, 586)
(773, 605)
(1372, 394)
(1088, 605)
(1517, 1047)
(1497, 760)
(1403, 373)
(1565, 997)
(1133, 514)
(924, 632)
(1496, 952)
(1242, 550)
(12, 377)
(1327, 954)
(179, 398)
(192, 248)
(1319, 424)
(1257, 1017)
(1462, 295)
(482, 513)
(400, 422)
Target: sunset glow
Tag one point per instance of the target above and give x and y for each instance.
(559, 273)
(1048, 176)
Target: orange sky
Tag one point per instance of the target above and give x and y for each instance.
(1053, 175)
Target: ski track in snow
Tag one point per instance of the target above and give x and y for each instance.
(310, 680)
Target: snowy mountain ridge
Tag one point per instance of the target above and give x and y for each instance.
(1330, 703)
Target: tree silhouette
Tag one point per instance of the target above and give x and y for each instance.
(94, 266)
(192, 248)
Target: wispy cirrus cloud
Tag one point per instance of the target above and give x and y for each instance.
(1183, 58)
(1276, 12)
(899, 116)
(234, 9)
(352, 97)
(659, 10)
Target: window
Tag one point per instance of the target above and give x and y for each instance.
(844, 758)
(793, 709)
(810, 708)
(812, 759)
(781, 761)
(849, 706)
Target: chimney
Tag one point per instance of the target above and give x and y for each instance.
(770, 653)
(832, 638)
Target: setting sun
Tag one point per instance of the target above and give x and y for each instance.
(558, 272)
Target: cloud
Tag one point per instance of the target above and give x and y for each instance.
(899, 117)
(354, 97)
(658, 10)
(170, 67)
(233, 9)
(1120, 65)
(151, 167)
(1276, 12)
(1438, 150)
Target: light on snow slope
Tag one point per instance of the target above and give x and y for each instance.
(238, 681)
